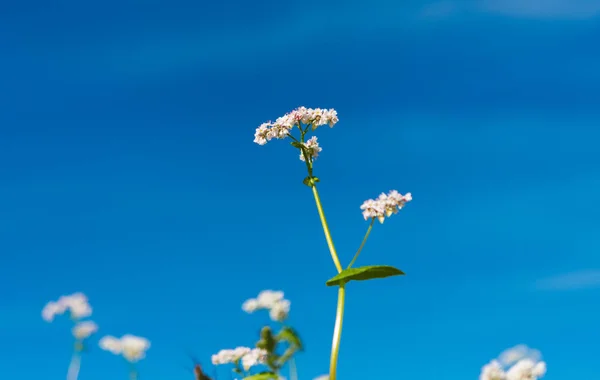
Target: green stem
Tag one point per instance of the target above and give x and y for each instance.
(362, 244)
(337, 333)
(293, 370)
(73, 372)
(334, 255)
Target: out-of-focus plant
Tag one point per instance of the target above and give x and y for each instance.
(78, 308)
(517, 363)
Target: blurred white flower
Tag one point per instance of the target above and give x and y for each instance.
(312, 149)
(271, 300)
(526, 369)
(322, 377)
(84, 330)
(253, 358)
(280, 310)
(51, 310)
(385, 205)
(250, 306)
(516, 353)
(249, 357)
(133, 348)
(77, 305)
(492, 371)
(111, 344)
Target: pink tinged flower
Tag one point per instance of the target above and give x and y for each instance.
(312, 149)
(385, 205)
(111, 344)
(260, 136)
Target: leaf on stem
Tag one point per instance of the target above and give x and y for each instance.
(289, 335)
(364, 273)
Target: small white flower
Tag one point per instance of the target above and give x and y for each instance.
(516, 353)
(280, 310)
(322, 377)
(260, 136)
(133, 348)
(76, 303)
(111, 344)
(267, 298)
(385, 205)
(51, 310)
(526, 369)
(84, 330)
(492, 371)
(255, 357)
(250, 305)
(312, 149)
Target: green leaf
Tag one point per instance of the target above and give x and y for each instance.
(290, 335)
(297, 144)
(364, 273)
(262, 376)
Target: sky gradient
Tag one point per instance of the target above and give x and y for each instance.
(128, 172)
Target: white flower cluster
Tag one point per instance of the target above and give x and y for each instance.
(385, 205)
(133, 348)
(278, 307)
(78, 307)
(282, 127)
(250, 357)
(312, 149)
(517, 363)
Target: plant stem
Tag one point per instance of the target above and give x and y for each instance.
(334, 255)
(293, 370)
(73, 371)
(362, 244)
(337, 332)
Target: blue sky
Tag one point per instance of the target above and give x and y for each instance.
(128, 172)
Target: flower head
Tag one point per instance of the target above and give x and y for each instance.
(273, 301)
(282, 127)
(84, 330)
(526, 369)
(385, 205)
(250, 357)
(77, 305)
(312, 149)
(492, 371)
(133, 348)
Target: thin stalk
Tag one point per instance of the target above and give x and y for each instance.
(73, 372)
(362, 244)
(293, 370)
(337, 333)
(334, 256)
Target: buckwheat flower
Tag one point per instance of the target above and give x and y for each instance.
(111, 344)
(77, 304)
(84, 330)
(526, 369)
(267, 298)
(134, 347)
(330, 117)
(51, 310)
(280, 310)
(492, 371)
(385, 205)
(312, 149)
(260, 136)
(228, 356)
(255, 357)
(373, 209)
(322, 377)
(250, 305)
(521, 351)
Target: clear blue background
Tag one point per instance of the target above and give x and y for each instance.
(128, 172)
